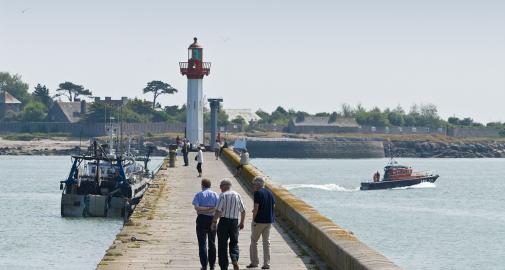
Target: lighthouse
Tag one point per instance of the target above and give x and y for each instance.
(195, 69)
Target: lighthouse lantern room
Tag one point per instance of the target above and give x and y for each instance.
(195, 69)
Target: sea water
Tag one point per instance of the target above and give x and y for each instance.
(456, 223)
(33, 235)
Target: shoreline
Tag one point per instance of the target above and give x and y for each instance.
(337, 147)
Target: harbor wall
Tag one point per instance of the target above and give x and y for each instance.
(337, 247)
(89, 129)
(315, 149)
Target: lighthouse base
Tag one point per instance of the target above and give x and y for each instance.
(194, 112)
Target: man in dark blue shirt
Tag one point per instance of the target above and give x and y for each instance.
(263, 217)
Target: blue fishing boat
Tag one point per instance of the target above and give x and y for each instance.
(107, 181)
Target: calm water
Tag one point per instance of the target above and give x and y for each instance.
(457, 223)
(32, 232)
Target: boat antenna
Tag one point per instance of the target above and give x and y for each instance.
(80, 141)
(121, 130)
(390, 150)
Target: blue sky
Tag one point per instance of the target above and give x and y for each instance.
(306, 55)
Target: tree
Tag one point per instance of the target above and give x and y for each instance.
(265, 117)
(15, 86)
(72, 91)
(396, 118)
(280, 116)
(140, 106)
(333, 117)
(347, 110)
(222, 118)
(41, 94)
(158, 88)
(238, 120)
(467, 121)
(300, 116)
(34, 112)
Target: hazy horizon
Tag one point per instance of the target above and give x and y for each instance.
(310, 56)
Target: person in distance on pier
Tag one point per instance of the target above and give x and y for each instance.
(199, 160)
(205, 203)
(244, 160)
(217, 149)
(225, 145)
(185, 151)
(228, 211)
(263, 217)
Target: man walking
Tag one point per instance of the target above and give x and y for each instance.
(228, 211)
(199, 160)
(217, 149)
(205, 203)
(263, 217)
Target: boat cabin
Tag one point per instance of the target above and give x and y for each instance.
(397, 172)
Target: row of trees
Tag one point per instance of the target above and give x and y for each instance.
(418, 115)
(35, 105)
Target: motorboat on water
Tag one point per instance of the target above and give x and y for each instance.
(396, 175)
(107, 181)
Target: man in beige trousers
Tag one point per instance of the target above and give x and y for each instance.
(263, 217)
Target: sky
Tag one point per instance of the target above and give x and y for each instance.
(306, 55)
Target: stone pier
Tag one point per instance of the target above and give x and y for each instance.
(161, 232)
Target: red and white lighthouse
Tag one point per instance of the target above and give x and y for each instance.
(195, 69)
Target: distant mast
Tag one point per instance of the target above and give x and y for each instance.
(195, 69)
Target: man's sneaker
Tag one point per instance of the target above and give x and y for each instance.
(251, 266)
(235, 265)
(265, 267)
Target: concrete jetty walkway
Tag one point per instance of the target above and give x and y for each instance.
(161, 233)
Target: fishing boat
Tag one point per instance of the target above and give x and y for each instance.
(107, 181)
(396, 175)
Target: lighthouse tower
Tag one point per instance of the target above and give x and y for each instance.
(195, 69)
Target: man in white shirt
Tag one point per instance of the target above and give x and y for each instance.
(244, 160)
(199, 160)
(217, 149)
(228, 211)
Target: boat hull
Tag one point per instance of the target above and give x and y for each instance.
(73, 205)
(397, 183)
(90, 205)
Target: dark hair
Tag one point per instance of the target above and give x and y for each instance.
(206, 183)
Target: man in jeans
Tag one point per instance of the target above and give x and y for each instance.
(228, 211)
(263, 217)
(205, 203)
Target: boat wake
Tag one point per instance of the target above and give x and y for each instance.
(327, 187)
(418, 186)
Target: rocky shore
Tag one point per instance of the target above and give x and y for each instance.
(429, 149)
(50, 147)
(336, 147)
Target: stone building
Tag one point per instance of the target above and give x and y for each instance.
(323, 124)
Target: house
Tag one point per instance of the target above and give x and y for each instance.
(323, 124)
(8, 104)
(247, 114)
(71, 112)
(67, 112)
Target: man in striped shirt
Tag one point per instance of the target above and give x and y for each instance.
(228, 211)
